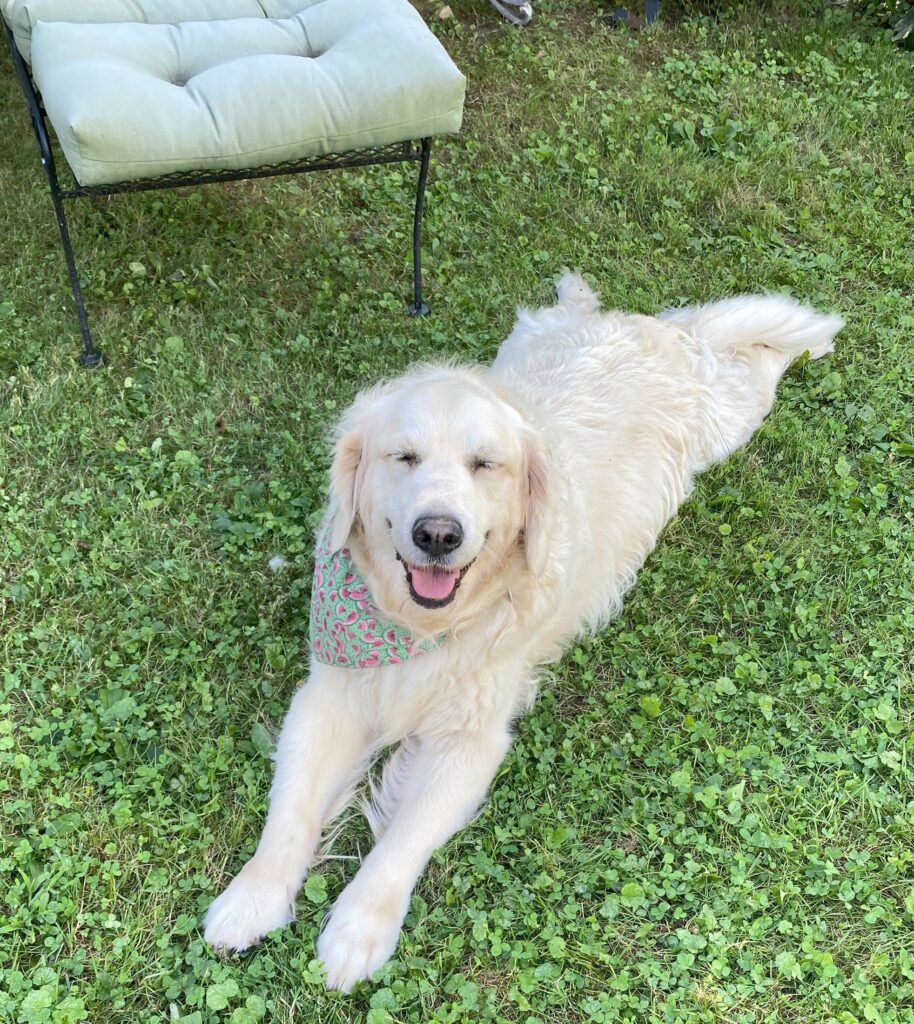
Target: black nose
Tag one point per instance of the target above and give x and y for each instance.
(437, 535)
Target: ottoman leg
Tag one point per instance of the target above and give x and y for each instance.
(90, 356)
(417, 307)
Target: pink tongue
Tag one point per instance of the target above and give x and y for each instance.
(435, 584)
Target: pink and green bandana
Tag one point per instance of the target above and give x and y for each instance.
(346, 628)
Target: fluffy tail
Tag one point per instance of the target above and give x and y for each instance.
(572, 289)
(775, 322)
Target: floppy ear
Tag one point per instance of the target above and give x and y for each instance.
(345, 479)
(348, 469)
(537, 515)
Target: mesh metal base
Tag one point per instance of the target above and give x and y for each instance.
(394, 153)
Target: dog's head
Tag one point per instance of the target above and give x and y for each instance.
(439, 479)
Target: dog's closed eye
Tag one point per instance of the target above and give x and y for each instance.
(482, 462)
(410, 458)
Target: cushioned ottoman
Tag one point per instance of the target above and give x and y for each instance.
(139, 100)
(137, 90)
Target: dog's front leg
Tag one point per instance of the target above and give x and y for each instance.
(449, 778)
(324, 745)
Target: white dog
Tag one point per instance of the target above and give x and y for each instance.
(478, 520)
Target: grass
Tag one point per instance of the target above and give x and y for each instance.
(708, 817)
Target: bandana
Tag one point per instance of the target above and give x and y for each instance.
(346, 628)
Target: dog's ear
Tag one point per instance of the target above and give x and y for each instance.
(348, 471)
(537, 514)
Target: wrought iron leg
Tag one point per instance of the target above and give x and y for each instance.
(90, 355)
(417, 307)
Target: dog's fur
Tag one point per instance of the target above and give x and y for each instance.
(562, 462)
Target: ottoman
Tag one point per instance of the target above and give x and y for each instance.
(160, 93)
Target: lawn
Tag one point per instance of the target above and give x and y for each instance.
(709, 815)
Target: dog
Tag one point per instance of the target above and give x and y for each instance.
(479, 519)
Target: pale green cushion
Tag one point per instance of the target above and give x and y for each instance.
(133, 101)
(24, 15)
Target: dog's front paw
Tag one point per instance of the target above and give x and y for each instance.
(359, 937)
(252, 905)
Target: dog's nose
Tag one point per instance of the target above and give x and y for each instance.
(437, 535)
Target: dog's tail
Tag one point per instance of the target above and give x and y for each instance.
(573, 290)
(775, 322)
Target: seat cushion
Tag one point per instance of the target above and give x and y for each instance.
(132, 101)
(24, 15)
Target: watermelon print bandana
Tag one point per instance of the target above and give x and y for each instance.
(346, 629)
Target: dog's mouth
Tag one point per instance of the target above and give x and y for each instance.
(433, 586)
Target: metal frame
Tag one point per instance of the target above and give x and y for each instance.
(399, 152)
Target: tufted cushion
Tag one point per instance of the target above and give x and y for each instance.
(24, 15)
(138, 100)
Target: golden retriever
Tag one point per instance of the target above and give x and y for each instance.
(479, 519)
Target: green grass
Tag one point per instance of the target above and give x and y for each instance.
(709, 815)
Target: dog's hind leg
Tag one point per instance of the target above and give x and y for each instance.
(742, 346)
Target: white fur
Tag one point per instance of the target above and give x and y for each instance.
(596, 425)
